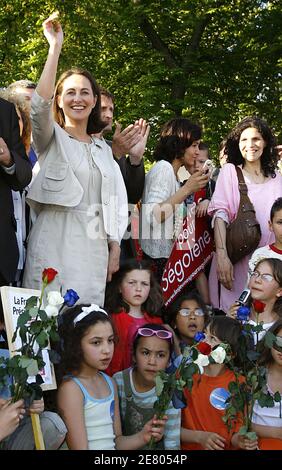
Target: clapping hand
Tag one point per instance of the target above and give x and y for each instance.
(137, 150)
(132, 140)
(124, 139)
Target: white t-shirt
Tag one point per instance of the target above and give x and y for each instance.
(268, 416)
(268, 251)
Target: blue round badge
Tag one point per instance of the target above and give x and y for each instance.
(218, 398)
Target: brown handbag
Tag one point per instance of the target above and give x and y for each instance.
(243, 234)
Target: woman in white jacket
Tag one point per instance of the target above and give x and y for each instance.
(78, 195)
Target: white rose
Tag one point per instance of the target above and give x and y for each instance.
(55, 298)
(218, 355)
(51, 310)
(202, 361)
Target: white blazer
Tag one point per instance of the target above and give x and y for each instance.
(56, 182)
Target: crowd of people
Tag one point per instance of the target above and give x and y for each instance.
(65, 198)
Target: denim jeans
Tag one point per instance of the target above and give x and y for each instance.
(53, 430)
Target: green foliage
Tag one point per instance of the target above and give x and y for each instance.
(211, 61)
(35, 329)
(170, 384)
(250, 382)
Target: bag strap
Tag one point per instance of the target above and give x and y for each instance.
(241, 182)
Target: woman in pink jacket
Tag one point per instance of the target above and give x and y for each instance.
(251, 146)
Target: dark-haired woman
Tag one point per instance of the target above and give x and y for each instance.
(251, 146)
(79, 192)
(162, 200)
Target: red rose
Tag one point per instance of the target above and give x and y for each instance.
(204, 348)
(48, 275)
(258, 306)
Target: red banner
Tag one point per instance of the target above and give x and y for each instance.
(190, 253)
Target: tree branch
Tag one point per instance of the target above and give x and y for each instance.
(195, 40)
(157, 42)
(179, 85)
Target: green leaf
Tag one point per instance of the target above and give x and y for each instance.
(23, 335)
(159, 385)
(33, 312)
(35, 327)
(54, 336)
(251, 435)
(277, 397)
(23, 319)
(31, 303)
(269, 339)
(265, 400)
(24, 362)
(42, 339)
(32, 369)
(43, 315)
(194, 353)
(243, 431)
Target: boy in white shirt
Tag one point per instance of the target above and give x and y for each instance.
(275, 249)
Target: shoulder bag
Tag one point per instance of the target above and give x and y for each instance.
(243, 234)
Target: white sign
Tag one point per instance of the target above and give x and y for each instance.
(14, 301)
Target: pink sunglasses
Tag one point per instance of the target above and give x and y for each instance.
(162, 334)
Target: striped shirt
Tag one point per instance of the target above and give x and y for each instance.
(146, 400)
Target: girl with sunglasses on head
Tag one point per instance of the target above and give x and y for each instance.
(187, 316)
(87, 397)
(267, 422)
(266, 288)
(152, 348)
(202, 427)
(133, 298)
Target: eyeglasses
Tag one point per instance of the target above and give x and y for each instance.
(162, 334)
(185, 312)
(264, 277)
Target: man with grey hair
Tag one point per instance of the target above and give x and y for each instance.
(24, 88)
